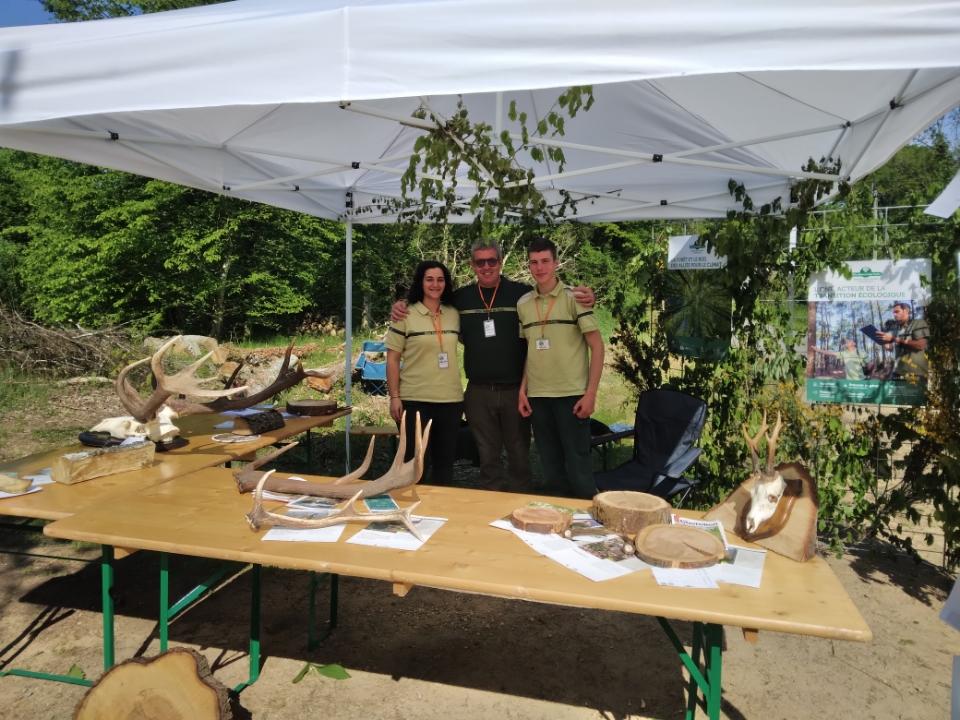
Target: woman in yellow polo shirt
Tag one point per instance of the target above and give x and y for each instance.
(428, 379)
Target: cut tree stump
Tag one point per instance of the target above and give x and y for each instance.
(627, 512)
(540, 520)
(176, 685)
(88, 464)
(678, 546)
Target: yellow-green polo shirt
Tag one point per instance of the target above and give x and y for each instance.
(564, 369)
(415, 338)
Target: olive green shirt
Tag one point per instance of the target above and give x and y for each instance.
(415, 338)
(562, 369)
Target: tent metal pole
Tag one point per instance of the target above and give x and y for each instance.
(348, 336)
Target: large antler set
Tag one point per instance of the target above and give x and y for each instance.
(769, 484)
(401, 474)
(171, 390)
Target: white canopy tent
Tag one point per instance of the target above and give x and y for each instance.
(296, 103)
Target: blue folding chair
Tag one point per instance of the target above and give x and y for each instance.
(372, 372)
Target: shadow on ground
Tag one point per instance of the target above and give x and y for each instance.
(879, 562)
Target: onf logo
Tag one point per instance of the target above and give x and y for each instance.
(866, 274)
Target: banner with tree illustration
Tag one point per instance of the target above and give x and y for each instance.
(867, 334)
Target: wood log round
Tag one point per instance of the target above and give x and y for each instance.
(312, 407)
(627, 512)
(259, 423)
(678, 546)
(540, 520)
(176, 685)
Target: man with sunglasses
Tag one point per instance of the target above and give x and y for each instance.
(494, 356)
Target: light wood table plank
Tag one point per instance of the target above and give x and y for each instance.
(201, 514)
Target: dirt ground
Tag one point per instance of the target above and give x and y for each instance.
(436, 654)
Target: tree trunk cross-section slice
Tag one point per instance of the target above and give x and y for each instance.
(678, 546)
(540, 520)
(176, 685)
(627, 512)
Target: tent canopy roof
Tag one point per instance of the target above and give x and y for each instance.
(295, 103)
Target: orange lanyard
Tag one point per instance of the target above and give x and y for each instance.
(438, 329)
(543, 318)
(492, 299)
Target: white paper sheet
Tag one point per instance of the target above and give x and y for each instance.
(244, 412)
(695, 578)
(324, 535)
(395, 536)
(41, 477)
(746, 568)
(568, 553)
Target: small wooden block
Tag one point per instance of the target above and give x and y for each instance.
(10, 484)
(97, 462)
(751, 635)
(540, 520)
(401, 589)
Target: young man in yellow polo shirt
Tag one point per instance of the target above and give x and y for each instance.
(561, 376)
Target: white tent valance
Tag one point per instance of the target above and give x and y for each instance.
(294, 103)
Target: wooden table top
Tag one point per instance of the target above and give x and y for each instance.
(58, 501)
(202, 514)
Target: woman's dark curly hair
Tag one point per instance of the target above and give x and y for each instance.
(415, 293)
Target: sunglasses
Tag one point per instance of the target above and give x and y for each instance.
(486, 262)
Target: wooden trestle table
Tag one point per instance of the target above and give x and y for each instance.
(202, 515)
(57, 501)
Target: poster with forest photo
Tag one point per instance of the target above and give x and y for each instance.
(867, 334)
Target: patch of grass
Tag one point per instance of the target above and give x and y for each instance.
(57, 435)
(19, 390)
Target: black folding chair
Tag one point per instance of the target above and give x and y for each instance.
(667, 427)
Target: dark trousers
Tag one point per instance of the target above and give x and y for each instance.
(442, 446)
(496, 425)
(563, 443)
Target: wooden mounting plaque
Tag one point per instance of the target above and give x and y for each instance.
(678, 546)
(540, 520)
(312, 407)
(627, 512)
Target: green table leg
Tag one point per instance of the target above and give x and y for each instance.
(106, 596)
(164, 618)
(254, 630)
(707, 639)
(714, 659)
(692, 685)
(106, 593)
(313, 639)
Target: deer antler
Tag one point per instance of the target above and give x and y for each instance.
(345, 512)
(754, 442)
(181, 383)
(401, 474)
(287, 377)
(249, 476)
(772, 444)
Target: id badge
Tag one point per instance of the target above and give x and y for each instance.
(543, 344)
(443, 360)
(489, 330)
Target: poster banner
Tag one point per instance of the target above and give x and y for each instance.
(867, 334)
(684, 254)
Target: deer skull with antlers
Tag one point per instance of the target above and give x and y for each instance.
(769, 484)
(171, 396)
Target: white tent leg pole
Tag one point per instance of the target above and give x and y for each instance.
(348, 335)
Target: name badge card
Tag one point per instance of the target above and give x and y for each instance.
(488, 328)
(443, 360)
(543, 344)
